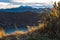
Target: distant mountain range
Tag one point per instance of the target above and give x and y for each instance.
(25, 8)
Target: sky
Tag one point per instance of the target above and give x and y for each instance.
(16, 3)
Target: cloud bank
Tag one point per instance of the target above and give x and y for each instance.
(16, 3)
(31, 1)
(4, 5)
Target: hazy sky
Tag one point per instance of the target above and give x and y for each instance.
(15, 3)
(34, 0)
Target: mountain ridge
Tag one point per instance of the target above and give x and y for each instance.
(25, 8)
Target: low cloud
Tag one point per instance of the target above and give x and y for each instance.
(30, 1)
(35, 1)
(4, 5)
